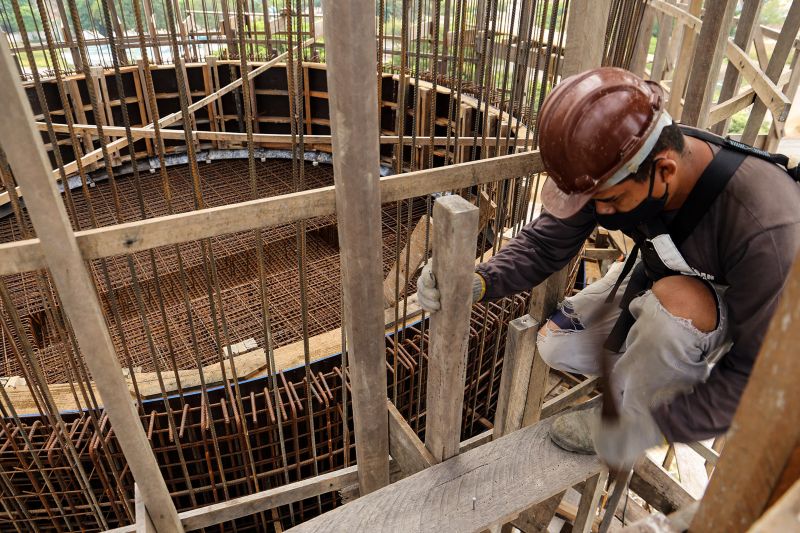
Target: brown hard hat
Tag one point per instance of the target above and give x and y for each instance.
(595, 129)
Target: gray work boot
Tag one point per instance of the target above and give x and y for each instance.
(572, 431)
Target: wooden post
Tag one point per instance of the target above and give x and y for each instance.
(745, 28)
(777, 61)
(665, 23)
(765, 429)
(587, 508)
(350, 48)
(711, 46)
(639, 58)
(544, 299)
(23, 146)
(584, 43)
(683, 64)
(514, 381)
(151, 28)
(143, 522)
(454, 238)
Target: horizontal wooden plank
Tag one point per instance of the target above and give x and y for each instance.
(268, 499)
(658, 488)
(563, 400)
(472, 491)
(265, 212)
(275, 138)
(684, 17)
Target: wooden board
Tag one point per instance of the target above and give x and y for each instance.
(505, 476)
(455, 235)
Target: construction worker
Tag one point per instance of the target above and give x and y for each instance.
(680, 323)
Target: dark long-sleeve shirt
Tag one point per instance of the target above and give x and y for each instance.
(747, 240)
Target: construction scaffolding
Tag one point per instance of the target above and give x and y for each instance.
(214, 175)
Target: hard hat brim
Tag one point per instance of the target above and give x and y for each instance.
(563, 205)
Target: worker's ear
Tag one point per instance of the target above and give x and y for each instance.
(666, 169)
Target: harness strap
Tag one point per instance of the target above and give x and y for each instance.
(711, 183)
(726, 142)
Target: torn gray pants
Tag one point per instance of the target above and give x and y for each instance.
(663, 354)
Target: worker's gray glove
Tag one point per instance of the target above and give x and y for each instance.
(620, 443)
(428, 295)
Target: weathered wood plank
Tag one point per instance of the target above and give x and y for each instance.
(657, 487)
(705, 67)
(204, 223)
(404, 444)
(683, 65)
(515, 378)
(504, 476)
(454, 237)
(590, 497)
(350, 51)
(268, 499)
(31, 167)
(584, 44)
(777, 62)
(563, 400)
(783, 516)
(745, 26)
(143, 522)
(768, 93)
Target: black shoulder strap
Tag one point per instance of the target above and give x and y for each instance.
(736, 146)
(713, 180)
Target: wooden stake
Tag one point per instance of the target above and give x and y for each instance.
(454, 238)
(514, 381)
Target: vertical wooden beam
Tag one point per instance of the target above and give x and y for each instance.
(665, 23)
(349, 28)
(544, 299)
(454, 240)
(783, 46)
(584, 43)
(23, 146)
(143, 522)
(587, 508)
(711, 46)
(620, 490)
(748, 22)
(765, 429)
(66, 33)
(517, 363)
(151, 28)
(683, 64)
(642, 47)
(790, 90)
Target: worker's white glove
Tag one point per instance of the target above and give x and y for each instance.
(622, 442)
(428, 295)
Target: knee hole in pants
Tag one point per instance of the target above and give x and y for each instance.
(563, 323)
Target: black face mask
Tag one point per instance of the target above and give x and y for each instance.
(647, 210)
